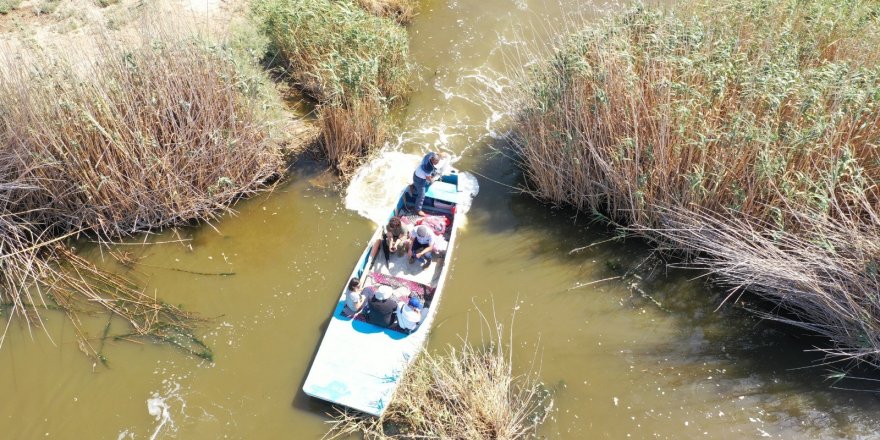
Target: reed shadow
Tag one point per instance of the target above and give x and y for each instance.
(763, 360)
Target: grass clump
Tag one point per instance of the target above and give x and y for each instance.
(466, 393)
(353, 63)
(6, 6)
(745, 132)
(146, 134)
(401, 11)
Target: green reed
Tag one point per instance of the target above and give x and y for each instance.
(353, 63)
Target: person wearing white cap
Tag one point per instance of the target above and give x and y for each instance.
(409, 314)
(382, 307)
(421, 245)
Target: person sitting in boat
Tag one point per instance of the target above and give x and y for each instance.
(393, 240)
(421, 245)
(355, 298)
(409, 314)
(423, 176)
(382, 306)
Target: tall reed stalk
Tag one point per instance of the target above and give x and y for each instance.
(743, 132)
(146, 134)
(353, 63)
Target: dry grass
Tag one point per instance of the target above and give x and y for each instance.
(401, 11)
(159, 132)
(746, 132)
(466, 393)
(349, 133)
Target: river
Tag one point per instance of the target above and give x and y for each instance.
(640, 357)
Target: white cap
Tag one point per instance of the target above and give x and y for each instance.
(408, 317)
(383, 292)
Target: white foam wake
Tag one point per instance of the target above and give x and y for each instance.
(159, 408)
(376, 187)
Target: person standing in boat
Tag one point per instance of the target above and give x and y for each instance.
(423, 176)
(421, 245)
(382, 307)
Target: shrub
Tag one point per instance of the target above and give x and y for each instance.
(6, 6)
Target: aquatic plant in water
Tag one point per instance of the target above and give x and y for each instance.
(146, 134)
(353, 63)
(468, 392)
(744, 133)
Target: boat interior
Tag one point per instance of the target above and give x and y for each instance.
(396, 271)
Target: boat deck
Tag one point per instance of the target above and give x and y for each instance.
(358, 364)
(399, 267)
(381, 354)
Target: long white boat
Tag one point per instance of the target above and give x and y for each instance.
(358, 364)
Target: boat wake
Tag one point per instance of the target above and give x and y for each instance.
(376, 187)
(161, 406)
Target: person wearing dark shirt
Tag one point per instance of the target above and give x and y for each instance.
(393, 240)
(382, 307)
(422, 177)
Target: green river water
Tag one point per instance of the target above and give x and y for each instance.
(645, 357)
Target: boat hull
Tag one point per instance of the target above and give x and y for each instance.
(358, 364)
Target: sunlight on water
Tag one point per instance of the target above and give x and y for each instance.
(376, 187)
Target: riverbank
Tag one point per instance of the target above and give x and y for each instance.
(740, 134)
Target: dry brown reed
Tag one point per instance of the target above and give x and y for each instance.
(745, 132)
(349, 133)
(146, 134)
(465, 393)
(401, 11)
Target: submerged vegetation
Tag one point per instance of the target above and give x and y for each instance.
(742, 133)
(144, 135)
(466, 393)
(353, 63)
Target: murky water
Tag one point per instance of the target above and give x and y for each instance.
(633, 358)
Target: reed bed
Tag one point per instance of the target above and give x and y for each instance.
(742, 133)
(147, 134)
(464, 393)
(350, 61)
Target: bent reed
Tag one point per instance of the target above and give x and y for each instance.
(465, 393)
(353, 63)
(144, 135)
(742, 133)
